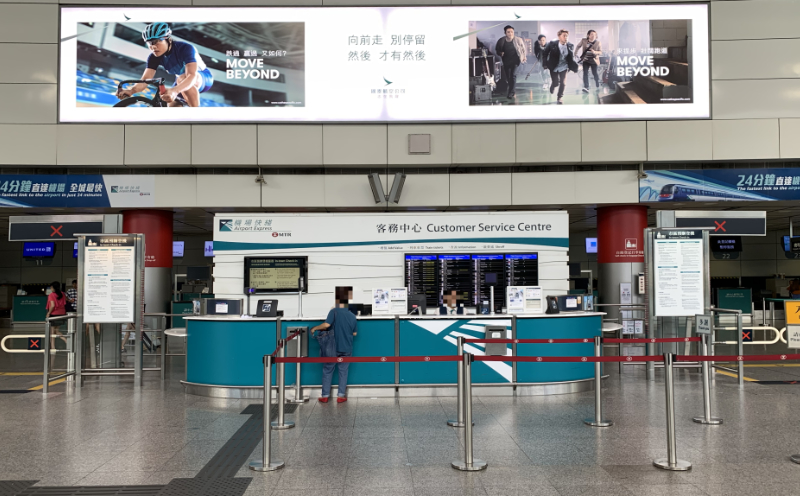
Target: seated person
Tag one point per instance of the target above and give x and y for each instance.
(794, 289)
(450, 306)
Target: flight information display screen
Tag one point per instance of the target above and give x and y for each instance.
(275, 274)
(470, 275)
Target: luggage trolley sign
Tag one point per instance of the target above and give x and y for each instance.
(109, 279)
(679, 264)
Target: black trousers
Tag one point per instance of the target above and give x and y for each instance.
(510, 73)
(558, 79)
(586, 67)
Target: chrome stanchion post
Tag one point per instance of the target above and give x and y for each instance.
(598, 421)
(298, 386)
(706, 418)
(469, 464)
(46, 346)
(163, 348)
(267, 464)
(671, 462)
(71, 354)
(281, 424)
(459, 422)
(741, 347)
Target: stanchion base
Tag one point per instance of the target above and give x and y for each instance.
(711, 421)
(456, 423)
(475, 466)
(260, 467)
(296, 402)
(679, 466)
(278, 427)
(795, 458)
(595, 423)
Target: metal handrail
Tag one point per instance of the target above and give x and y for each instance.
(46, 348)
(739, 340)
(164, 336)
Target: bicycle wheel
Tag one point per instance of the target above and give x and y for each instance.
(135, 101)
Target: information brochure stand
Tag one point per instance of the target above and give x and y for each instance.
(110, 291)
(678, 278)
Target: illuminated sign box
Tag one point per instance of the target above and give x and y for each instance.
(383, 64)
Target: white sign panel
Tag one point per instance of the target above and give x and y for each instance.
(380, 301)
(703, 324)
(398, 298)
(793, 336)
(412, 232)
(380, 64)
(679, 273)
(109, 279)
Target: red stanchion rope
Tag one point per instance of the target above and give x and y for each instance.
(737, 358)
(531, 341)
(588, 359)
(651, 340)
(294, 335)
(386, 359)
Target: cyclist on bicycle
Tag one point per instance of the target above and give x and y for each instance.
(179, 58)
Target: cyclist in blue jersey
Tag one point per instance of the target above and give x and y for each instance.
(179, 58)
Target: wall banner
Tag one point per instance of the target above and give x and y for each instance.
(25, 190)
(385, 64)
(720, 185)
(406, 232)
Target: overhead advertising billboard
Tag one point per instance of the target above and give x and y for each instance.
(76, 190)
(711, 185)
(384, 64)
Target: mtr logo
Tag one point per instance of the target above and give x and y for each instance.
(281, 234)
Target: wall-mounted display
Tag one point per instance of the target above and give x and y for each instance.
(384, 64)
(275, 274)
(591, 245)
(208, 249)
(178, 248)
(720, 185)
(38, 250)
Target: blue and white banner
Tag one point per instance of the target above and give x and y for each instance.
(95, 190)
(400, 232)
(720, 185)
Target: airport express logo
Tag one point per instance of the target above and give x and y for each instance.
(129, 190)
(250, 225)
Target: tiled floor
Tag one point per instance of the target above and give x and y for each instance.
(111, 434)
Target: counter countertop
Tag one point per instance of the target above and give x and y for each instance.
(239, 318)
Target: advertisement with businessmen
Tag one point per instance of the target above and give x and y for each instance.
(384, 64)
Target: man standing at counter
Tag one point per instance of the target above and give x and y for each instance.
(336, 340)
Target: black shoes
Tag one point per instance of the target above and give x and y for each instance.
(586, 90)
(512, 95)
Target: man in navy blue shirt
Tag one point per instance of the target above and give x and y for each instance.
(336, 340)
(179, 58)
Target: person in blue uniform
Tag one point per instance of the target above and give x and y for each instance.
(336, 340)
(178, 58)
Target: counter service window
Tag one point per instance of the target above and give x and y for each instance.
(275, 274)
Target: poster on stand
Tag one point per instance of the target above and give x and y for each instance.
(398, 298)
(679, 273)
(380, 302)
(384, 64)
(109, 279)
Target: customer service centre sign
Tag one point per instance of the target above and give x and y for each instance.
(385, 64)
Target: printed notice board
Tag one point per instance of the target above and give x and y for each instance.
(679, 273)
(109, 279)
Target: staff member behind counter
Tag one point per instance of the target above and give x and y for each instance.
(336, 340)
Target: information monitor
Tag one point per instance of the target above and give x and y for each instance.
(275, 274)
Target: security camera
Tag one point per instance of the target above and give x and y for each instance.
(260, 179)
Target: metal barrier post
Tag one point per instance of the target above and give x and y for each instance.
(598, 421)
(46, 346)
(469, 464)
(163, 348)
(280, 424)
(71, 354)
(706, 418)
(741, 347)
(266, 464)
(459, 422)
(671, 462)
(298, 386)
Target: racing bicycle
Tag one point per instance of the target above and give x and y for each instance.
(143, 101)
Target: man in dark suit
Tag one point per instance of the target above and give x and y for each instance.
(559, 55)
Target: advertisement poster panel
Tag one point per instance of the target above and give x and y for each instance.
(76, 190)
(384, 64)
(720, 185)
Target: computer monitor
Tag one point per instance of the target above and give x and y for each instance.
(355, 308)
(417, 304)
(216, 306)
(267, 308)
(198, 273)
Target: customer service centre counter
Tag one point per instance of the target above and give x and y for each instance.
(224, 354)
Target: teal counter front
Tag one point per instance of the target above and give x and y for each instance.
(225, 353)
